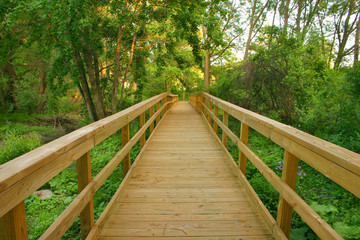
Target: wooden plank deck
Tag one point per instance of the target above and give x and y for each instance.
(183, 187)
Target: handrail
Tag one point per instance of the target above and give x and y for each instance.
(20, 177)
(337, 163)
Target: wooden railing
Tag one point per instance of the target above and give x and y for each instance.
(20, 177)
(338, 164)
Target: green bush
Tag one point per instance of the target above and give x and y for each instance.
(15, 146)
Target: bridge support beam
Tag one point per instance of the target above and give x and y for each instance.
(226, 123)
(83, 166)
(158, 116)
(124, 140)
(151, 113)
(244, 135)
(13, 224)
(216, 112)
(209, 116)
(142, 123)
(289, 175)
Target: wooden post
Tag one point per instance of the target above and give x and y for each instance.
(13, 224)
(124, 140)
(151, 113)
(226, 122)
(158, 116)
(163, 101)
(289, 175)
(209, 116)
(83, 166)
(216, 112)
(142, 123)
(244, 135)
(183, 96)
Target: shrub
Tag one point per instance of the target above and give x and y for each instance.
(15, 146)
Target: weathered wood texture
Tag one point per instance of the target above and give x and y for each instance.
(183, 186)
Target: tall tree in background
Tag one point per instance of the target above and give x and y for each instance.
(257, 11)
(345, 14)
(220, 28)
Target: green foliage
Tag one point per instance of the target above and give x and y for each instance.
(349, 228)
(15, 146)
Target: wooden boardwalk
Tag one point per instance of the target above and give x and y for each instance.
(183, 187)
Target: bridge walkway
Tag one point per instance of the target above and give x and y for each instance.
(183, 186)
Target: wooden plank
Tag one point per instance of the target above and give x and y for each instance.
(141, 124)
(244, 135)
(124, 140)
(13, 224)
(187, 217)
(122, 223)
(184, 231)
(257, 237)
(289, 175)
(83, 166)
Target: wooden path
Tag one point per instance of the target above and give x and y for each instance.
(183, 187)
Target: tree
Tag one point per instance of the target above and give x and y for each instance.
(257, 12)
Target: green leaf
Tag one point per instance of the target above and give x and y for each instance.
(68, 200)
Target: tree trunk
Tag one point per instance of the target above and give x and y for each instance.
(250, 31)
(253, 22)
(42, 91)
(357, 40)
(115, 86)
(348, 29)
(298, 17)
(286, 16)
(207, 68)
(207, 59)
(84, 88)
(12, 77)
(127, 69)
(95, 84)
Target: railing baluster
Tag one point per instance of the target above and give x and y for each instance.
(142, 123)
(289, 175)
(124, 140)
(158, 116)
(83, 166)
(13, 224)
(216, 112)
(244, 135)
(226, 122)
(209, 116)
(163, 101)
(151, 113)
